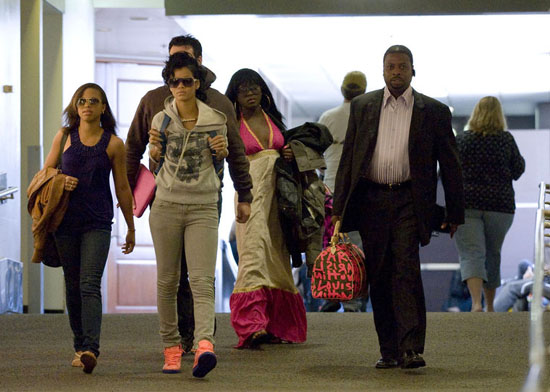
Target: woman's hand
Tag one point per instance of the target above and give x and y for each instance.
(128, 246)
(288, 155)
(218, 144)
(155, 146)
(70, 183)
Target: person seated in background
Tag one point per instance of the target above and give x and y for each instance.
(515, 293)
(459, 299)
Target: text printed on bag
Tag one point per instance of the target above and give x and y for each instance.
(333, 275)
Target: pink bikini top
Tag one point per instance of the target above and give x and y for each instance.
(251, 142)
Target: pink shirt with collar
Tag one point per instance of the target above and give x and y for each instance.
(390, 160)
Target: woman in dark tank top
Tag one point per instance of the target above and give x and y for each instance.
(91, 150)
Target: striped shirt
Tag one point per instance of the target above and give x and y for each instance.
(390, 161)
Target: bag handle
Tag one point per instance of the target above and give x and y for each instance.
(336, 237)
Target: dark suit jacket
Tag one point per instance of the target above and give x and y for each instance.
(431, 140)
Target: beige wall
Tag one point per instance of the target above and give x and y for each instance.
(48, 49)
(10, 126)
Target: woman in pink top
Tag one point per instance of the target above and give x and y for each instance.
(265, 305)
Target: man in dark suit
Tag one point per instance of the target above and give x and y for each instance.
(386, 188)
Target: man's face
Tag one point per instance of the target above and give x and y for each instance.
(398, 72)
(187, 49)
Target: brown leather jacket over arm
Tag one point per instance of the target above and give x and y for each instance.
(47, 202)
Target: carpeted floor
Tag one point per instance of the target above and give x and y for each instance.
(464, 352)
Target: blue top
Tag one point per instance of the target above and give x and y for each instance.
(489, 164)
(91, 203)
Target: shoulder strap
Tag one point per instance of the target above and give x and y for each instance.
(165, 122)
(62, 146)
(218, 164)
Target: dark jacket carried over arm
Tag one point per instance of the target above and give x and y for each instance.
(153, 102)
(300, 192)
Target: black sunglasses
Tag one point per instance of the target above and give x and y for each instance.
(187, 82)
(91, 101)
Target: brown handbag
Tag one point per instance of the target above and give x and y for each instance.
(339, 270)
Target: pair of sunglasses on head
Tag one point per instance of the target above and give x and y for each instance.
(187, 82)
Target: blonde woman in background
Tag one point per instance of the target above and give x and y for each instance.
(490, 162)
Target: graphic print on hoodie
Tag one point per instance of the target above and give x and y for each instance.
(192, 159)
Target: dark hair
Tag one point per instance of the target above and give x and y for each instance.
(184, 60)
(399, 49)
(248, 76)
(187, 40)
(71, 119)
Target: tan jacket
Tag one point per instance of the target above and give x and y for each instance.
(47, 204)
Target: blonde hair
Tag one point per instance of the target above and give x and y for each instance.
(487, 117)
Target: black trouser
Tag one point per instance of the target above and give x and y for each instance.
(186, 318)
(390, 238)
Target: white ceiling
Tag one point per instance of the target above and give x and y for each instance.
(458, 59)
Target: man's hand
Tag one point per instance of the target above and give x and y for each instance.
(452, 228)
(243, 212)
(335, 218)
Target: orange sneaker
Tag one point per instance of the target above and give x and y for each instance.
(172, 359)
(76, 360)
(89, 360)
(205, 359)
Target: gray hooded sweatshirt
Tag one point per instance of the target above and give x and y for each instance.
(188, 175)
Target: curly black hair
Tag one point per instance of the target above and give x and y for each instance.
(184, 60)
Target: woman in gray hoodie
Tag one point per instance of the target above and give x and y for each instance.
(185, 209)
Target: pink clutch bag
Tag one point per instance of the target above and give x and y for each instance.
(144, 190)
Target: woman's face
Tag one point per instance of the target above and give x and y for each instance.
(90, 105)
(183, 85)
(249, 95)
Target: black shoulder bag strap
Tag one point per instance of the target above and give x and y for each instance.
(62, 147)
(165, 122)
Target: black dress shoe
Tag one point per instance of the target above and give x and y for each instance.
(412, 360)
(386, 363)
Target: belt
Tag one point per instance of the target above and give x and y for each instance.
(388, 187)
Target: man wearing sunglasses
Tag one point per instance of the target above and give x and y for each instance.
(138, 138)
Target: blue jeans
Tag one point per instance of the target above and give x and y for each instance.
(83, 257)
(479, 242)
